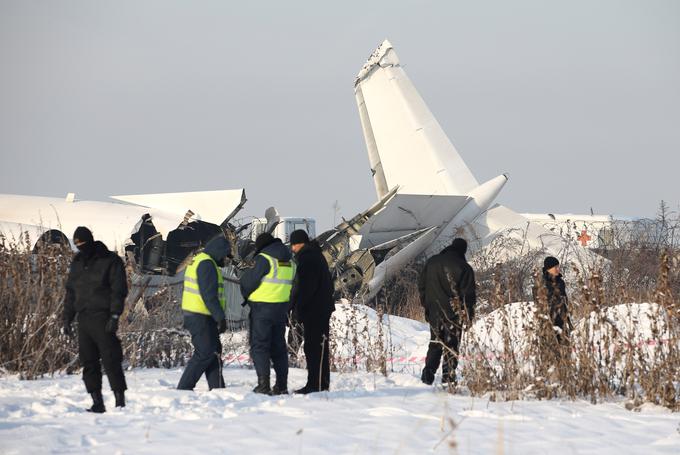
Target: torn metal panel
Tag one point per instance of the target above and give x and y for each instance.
(397, 260)
(336, 242)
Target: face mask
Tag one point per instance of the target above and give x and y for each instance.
(85, 248)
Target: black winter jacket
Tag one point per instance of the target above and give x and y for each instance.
(312, 295)
(251, 278)
(96, 283)
(446, 277)
(557, 298)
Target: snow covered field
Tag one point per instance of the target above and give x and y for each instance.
(364, 413)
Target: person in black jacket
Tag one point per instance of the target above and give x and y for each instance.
(206, 322)
(268, 295)
(95, 291)
(448, 294)
(556, 295)
(312, 304)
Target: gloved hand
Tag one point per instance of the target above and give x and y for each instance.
(112, 324)
(66, 329)
(222, 326)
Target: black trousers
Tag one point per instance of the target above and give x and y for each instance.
(316, 353)
(444, 339)
(96, 347)
(207, 357)
(268, 338)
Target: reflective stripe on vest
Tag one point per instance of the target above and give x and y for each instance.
(191, 295)
(276, 285)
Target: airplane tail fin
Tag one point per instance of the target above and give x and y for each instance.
(406, 145)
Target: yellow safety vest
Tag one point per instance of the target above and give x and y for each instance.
(276, 285)
(191, 296)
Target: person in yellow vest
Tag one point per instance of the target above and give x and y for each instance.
(266, 287)
(203, 305)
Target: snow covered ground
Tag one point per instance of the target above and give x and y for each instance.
(364, 413)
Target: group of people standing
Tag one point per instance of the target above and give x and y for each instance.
(282, 285)
(277, 285)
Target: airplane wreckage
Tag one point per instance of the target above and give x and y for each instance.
(426, 196)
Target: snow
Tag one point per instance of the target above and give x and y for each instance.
(363, 413)
(629, 325)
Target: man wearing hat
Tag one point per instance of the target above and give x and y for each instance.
(95, 292)
(312, 304)
(556, 294)
(448, 294)
(266, 288)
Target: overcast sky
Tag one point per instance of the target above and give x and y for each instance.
(579, 101)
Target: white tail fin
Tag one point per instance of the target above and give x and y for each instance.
(406, 145)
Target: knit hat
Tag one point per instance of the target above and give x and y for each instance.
(262, 241)
(298, 236)
(549, 263)
(459, 246)
(82, 234)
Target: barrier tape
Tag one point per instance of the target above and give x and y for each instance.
(406, 360)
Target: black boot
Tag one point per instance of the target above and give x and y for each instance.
(428, 376)
(263, 385)
(120, 398)
(280, 387)
(97, 403)
(307, 389)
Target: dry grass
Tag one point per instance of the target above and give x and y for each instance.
(510, 352)
(626, 317)
(31, 292)
(32, 289)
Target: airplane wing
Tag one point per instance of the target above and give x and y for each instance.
(406, 213)
(406, 145)
(522, 235)
(213, 206)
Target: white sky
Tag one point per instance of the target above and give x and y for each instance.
(579, 101)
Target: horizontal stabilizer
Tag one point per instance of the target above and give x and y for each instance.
(406, 213)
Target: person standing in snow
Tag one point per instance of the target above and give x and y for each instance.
(556, 295)
(312, 304)
(266, 288)
(203, 304)
(448, 293)
(96, 288)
